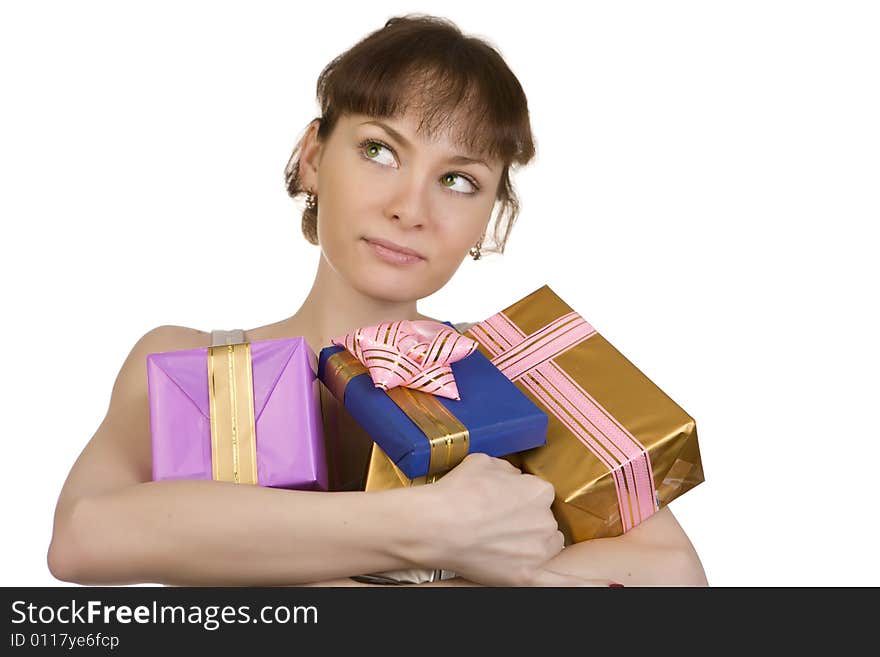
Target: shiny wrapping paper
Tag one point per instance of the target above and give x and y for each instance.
(382, 474)
(247, 413)
(618, 448)
(424, 434)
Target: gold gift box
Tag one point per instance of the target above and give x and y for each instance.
(596, 495)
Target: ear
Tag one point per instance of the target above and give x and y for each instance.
(310, 157)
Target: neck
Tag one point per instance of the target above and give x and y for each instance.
(333, 308)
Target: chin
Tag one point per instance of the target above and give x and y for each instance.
(385, 283)
(388, 288)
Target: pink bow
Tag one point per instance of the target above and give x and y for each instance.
(413, 354)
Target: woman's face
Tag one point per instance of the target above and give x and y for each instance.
(377, 181)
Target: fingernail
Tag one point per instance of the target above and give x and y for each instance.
(615, 584)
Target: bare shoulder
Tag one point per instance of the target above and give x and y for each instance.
(168, 337)
(132, 378)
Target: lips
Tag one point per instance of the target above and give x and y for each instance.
(395, 247)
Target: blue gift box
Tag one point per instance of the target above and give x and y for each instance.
(499, 418)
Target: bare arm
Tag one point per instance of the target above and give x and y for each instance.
(654, 553)
(212, 533)
(113, 525)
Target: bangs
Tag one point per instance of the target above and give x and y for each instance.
(453, 91)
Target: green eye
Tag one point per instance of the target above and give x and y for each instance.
(370, 150)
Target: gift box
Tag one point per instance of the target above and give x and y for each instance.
(245, 412)
(423, 432)
(618, 448)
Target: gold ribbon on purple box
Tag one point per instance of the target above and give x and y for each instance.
(231, 398)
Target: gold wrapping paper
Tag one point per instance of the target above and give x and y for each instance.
(231, 398)
(382, 474)
(586, 504)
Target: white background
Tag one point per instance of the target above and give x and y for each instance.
(705, 194)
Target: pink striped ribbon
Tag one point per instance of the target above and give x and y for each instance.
(528, 359)
(413, 354)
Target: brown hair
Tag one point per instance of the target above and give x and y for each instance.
(459, 81)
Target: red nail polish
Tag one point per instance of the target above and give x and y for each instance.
(615, 584)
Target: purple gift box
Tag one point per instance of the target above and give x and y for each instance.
(287, 415)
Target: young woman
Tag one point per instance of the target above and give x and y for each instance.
(419, 128)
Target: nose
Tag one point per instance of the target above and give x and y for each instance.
(409, 204)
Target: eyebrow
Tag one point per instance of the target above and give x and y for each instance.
(456, 159)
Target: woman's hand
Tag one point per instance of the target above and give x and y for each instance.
(494, 525)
